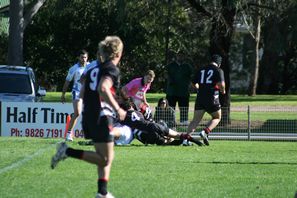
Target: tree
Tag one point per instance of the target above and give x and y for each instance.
(253, 13)
(257, 36)
(18, 23)
(61, 28)
(278, 71)
(220, 16)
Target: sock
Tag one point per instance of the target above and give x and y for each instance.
(75, 153)
(69, 132)
(185, 136)
(207, 130)
(102, 186)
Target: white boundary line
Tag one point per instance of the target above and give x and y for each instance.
(24, 160)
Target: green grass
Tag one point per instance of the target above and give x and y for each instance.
(236, 100)
(224, 169)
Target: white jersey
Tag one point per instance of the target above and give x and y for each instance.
(74, 75)
(90, 66)
(126, 136)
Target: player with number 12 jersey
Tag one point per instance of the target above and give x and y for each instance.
(207, 79)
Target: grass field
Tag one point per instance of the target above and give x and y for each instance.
(236, 100)
(224, 169)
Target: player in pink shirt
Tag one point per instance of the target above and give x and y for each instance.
(137, 88)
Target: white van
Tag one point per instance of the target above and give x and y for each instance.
(18, 84)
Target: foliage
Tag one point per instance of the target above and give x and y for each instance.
(3, 49)
(61, 28)
(280, 48)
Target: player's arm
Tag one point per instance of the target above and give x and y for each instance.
(124, 92)
(69, 78)
(104, 90)
(221, 84)
(144, 99)
(196, 85)
(195, 81)
(65, 87)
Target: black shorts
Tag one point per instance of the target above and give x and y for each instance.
(98, 130)
(157, 128)
(136, 121)
(146, 137)
(209, 105)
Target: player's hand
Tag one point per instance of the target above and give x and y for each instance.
(63, 98)
(122, 114)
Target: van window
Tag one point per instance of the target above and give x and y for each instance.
(15, 83)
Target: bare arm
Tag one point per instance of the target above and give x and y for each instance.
(124, 93)
(196, 86)
(65, 87)
(222, 87)
(104, 87)
(144, 99)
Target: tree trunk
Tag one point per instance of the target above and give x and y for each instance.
(17, 24)
(16, 32)
(255, 73)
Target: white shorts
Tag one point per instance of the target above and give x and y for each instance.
(75, 95)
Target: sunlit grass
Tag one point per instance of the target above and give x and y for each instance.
(224, 169)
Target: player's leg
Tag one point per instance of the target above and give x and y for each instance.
(183, 136)
(77, 108)
(104, 145)
(105, 150)
(215, 119)
(198, 115)
(64, 151)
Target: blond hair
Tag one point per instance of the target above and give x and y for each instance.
(110, 47)
(151, 73)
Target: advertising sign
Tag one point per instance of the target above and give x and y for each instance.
(43, 120)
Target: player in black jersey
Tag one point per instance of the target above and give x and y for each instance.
(99, 95)
(149, 132)
(209, 81)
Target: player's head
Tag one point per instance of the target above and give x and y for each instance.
(83, 56)
(127, 104)
(216, 59)
(110, 48)
(149, 77)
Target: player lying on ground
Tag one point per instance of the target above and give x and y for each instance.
(147, 132)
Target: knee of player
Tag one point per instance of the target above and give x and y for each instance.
(75, 115)
(217, 118)
(104, 162)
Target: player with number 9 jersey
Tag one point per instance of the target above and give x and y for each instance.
(93, 104)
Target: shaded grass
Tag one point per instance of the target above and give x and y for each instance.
(225, 169)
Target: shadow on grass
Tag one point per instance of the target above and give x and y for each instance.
(244, 163)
